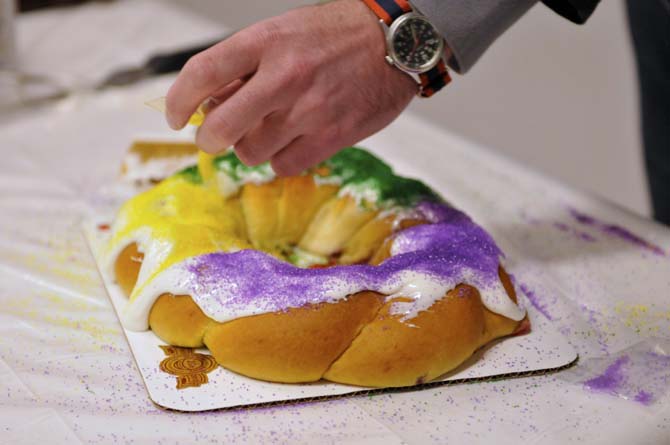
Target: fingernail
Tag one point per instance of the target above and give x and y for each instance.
(205, 142)
(174, 124)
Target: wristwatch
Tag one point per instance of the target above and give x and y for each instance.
(413, 44)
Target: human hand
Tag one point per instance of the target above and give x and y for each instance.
(293, 89)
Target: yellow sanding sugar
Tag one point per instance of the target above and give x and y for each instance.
(181, 220)
(643, 318)
(206, 167)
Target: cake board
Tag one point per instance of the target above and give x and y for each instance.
(187, 380)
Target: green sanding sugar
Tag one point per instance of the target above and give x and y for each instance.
(363, 172)
(406, 192)
(359, 172)
(355, 165)
(230, 164)
(191, 174)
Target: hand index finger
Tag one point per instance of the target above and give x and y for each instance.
(206, 72)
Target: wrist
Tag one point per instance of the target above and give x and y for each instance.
(361, 26)
(413, 44)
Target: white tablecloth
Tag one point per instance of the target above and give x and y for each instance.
(67, 375)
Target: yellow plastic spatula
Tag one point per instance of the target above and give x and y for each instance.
(205, 160)
(196, 119)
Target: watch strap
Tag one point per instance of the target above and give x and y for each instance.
(388, 11)
(434, 79)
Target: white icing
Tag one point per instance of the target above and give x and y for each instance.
(153, 168)
(155, 252)
(304, 259)
(422, 289)
(361, 192)
(226, 185)
(229, 186)
(265, 174)
(400, 214)
(327, 180)
(135, 315)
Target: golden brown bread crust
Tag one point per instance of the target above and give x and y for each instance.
(336, 221)
(171, 153)
(355, 341)
(127, 267)
(300, 199)
(148, 150)
(367, 240)
(259, 205)
(177, 320)
(293, 346)
(392, 352)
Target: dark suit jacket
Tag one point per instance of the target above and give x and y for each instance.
(574, 10)
(470, 26)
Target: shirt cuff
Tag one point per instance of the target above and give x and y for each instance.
(470, 27)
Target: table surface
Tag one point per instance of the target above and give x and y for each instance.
(600, 275)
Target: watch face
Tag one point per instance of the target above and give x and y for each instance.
(415, 44)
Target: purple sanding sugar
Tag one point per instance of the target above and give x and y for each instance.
(584, 236)
(444, 250)
(535, 301)
(633, 376)
(611, 380)
(617, 231)
(562, 226)
(644, 398)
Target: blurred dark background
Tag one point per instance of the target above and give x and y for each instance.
(31, 5)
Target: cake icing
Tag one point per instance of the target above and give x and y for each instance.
(194, 244)
(173, 221)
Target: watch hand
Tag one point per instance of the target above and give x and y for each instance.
(411, 53)
(416, 39)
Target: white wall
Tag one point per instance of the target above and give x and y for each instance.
(557, 96)
(560, 97)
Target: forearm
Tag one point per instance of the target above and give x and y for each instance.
(471, 26)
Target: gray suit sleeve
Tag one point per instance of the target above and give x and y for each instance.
(471, 26)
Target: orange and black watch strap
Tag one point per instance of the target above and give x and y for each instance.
(388, 11)
(434, 79)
